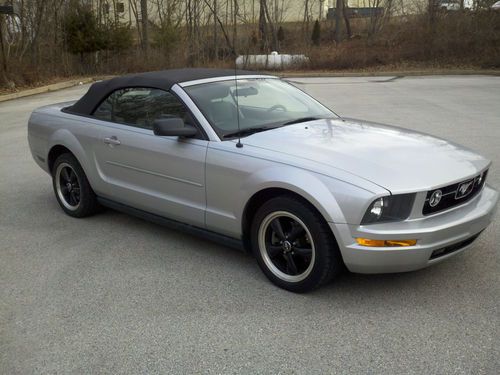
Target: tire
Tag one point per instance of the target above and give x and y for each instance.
(303, 254)
(77, 200)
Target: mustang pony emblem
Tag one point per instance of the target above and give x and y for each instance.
(464, 189)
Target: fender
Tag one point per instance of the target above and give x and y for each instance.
(336, 200)
(306, 184)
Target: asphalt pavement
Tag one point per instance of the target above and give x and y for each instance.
(116, 294)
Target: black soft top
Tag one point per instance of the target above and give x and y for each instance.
(163, 80)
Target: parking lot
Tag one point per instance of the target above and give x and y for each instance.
(115, 294)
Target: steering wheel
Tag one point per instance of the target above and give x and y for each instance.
(276, 107)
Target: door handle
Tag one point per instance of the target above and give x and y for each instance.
(112, 141)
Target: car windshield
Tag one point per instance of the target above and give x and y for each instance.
(262, 104)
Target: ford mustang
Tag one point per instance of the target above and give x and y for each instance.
(254, 162)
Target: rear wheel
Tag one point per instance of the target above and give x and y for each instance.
(293, 245)
(71, 187)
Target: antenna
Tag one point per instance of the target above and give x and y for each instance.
(239, 144)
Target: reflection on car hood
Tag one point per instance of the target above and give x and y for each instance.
(394, 158)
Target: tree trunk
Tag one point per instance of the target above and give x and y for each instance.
(144, 21)
(338, 20)
(223, 29)
(432, 13)
(347, 21)
(272, 26)
(432, 28)
(306, 16)
(4, 57)
(216, 45)
(262, 26)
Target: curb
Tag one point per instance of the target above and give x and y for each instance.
(389, 73)
(47, 88)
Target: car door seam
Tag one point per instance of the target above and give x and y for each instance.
(206, 185)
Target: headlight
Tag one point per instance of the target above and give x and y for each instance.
(377, 208)
(390, 208)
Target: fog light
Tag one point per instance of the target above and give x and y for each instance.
(385, 243)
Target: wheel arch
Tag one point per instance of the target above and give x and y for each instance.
(318, 191)
(63, 141)
(260, 197)
(55, 152)
(256, 201)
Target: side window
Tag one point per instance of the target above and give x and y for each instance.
(139, 106)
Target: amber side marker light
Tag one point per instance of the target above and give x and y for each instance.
(385, 243)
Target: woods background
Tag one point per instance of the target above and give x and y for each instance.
(46, 40)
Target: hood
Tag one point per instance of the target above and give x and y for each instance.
(397, 159)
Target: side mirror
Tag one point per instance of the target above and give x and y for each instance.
(173, 127)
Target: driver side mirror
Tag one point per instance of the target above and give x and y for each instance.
(173, 127)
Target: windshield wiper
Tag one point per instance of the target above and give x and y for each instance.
(248, 131)
(302, 119)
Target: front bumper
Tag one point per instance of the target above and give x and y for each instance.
(453, 230)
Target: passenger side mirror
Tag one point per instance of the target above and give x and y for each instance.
(173, 127)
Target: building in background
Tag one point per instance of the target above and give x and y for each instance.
(129, 11)
(247, 10)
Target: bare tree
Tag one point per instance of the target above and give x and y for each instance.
(345, 12)
(263, 33)
(267, 28)
(2, 46)
(306, 19)
(216, 43)
(144, 21)
(338, 20)
(221, 25)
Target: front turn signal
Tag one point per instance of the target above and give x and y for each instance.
(385, 243)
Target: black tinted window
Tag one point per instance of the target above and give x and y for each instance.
(140, 107)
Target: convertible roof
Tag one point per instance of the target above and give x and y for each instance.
(163, 80)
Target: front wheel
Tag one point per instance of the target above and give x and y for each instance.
(294, 245)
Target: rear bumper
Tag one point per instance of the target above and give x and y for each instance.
(438, 237)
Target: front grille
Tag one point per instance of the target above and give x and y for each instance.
(454, 195)
(452, 248)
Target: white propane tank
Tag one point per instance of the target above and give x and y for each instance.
(272, 61)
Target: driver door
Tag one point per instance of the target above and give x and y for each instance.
(161, 175)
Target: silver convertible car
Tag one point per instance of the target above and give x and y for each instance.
(254, 162)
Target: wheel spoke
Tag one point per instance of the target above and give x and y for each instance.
(72, 175)
(290, 264)
(278, 229)
(303, 252)
(274, 251)
(296, 232)
(65, 175)
(72, 198)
